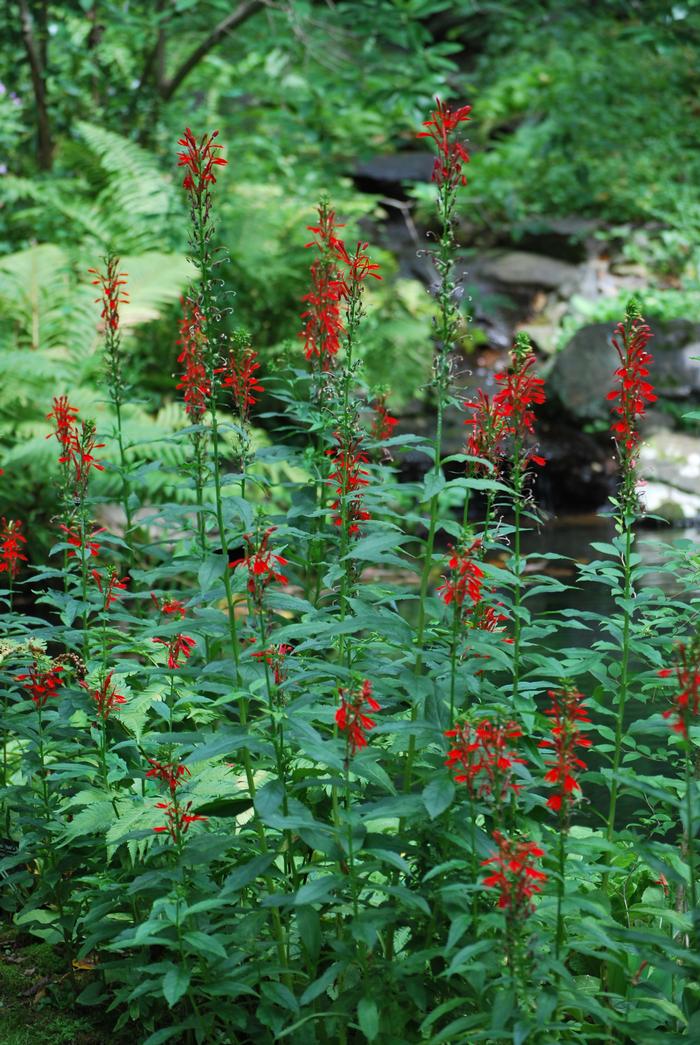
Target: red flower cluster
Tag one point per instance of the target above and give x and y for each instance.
(520, 391)
(359, 266)
(516, 878)
(111, 297)
(484, 758)
(451, 153)
(383, 423)
(114, 585)
(686, 703)
(567, 713)
(179, 644)
(78, 443)
(81, 455)
(178, 815)
(348, 477)
(105, 696)
(42, 683)
(12, 541)
(351, 719)
(322, 323)
(240, 377)
(169, 607)
(466, 577)
(261, 564)
(489, 427)
(171, 773)
(73, 538)
(200, 158)
(179, 819)
(194, 381)
(630, 341)
(274, 657)
(65, 417)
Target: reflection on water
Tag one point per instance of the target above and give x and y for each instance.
(572, 535)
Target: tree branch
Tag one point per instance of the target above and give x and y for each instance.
(241, 14)
(44, 143)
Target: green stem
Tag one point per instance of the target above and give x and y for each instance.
(690, 831)
(453, 657)
(561, 885)
(517, 572)
(351, 849)
(624, 677)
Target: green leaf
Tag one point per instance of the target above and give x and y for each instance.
(317, 890)
(321, 984)
(438, 795)
(434, 483)
(204, 943)
(368, 1018)
(164, 1034)
(175, 984)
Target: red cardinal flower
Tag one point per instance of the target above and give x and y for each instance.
(520, 391)
(178, 814)
(483, 756)
(179, 819)
(169, 607)
(194, 382)
(105, 696)
(240, 375)
(465, 579)
(634, 391)
(323, 326)
(348, 478)
(79, 445)
(351, 718)
(488, 427)
(73, 538)
(359, 265)
(112, 296)
(42, 683)
(383, 423)
(516, 878)
(179, 645)
(200, 158)
(686, 702)
(171, 773)
(274, 657)
(114, 585)
(567, 713)
(261, 564)
(64, 416)
(12, 540)
(451, 154)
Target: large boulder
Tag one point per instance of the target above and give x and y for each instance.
(582, 373)
(518, 268)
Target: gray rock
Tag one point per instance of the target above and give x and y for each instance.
(671, 459)
(397, 167)
(519, 268)
(582, 373)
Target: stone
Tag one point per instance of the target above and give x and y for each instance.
(672, 459)
(583, 372)
(519, 268)
(675, 506)
(395, 168)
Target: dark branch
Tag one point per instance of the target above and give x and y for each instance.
(241, 14)
(44, 143)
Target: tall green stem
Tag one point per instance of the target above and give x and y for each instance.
(517, 572)
(690, 830)
(624, 674)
